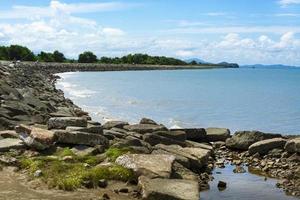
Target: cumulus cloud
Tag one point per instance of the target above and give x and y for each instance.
(285, 3)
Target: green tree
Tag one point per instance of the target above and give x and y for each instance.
(87, 57)
(58, 56)
(3, 53)
(17, 52)
(45, 57)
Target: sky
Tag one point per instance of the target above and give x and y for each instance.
(241, 31)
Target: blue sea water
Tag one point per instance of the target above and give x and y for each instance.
(238, 99)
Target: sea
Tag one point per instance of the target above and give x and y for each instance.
(267, 100)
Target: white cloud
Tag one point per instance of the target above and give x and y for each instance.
(285, 3)
(113, 32)
(216, 14)
(184, 53)
(287, 15)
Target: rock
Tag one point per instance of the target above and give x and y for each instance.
(217, 134)
(148, 164)
(241, 140)
(9, 134)
(193, 134)
(176, 135)
(197, 157)
(145, 128)
(293, 146)
(105, 197)
(169, 189)
(114, 124)
(147, 121)
(123, 190)
(11, 143)
(218, 144)
(181, 172)
(8, 160)
(113, 133)
(89, 129)
(239, 169)
(36, 138)
(102, 183)
(37, 173)
(83, 138)
(82, 150)
(264, 146)
(154, 139)
(198, 145)
(222, 184)
(63, 122)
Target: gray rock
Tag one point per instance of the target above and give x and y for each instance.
(82, 150)
(199, 145)
(114, 124)
(181, 172)
(89, 129)
(159, 165)
(154, 139)
(217, 134)
(113, 133)
(83, 138)
(175, 135)
(264, 146)
(147, 121)
(293, 146)
(63, 122)
(194, 134)
(241, 140)
(169, 189)
(9, 134)
(145, 128)
(11, 143)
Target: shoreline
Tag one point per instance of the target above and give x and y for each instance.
(29, 96)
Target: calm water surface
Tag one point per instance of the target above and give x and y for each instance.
(239, 99)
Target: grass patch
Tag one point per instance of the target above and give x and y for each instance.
(70, 175)
(113, 153)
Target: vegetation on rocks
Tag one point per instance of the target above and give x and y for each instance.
(113, 153)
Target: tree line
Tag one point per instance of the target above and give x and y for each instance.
(17, 52)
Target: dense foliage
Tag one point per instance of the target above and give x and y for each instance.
(56, 56)
(87, 57)
(16, 52)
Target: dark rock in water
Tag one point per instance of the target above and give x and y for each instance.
(217, 134)
(239, 169)
(241, 140)
(63, 122)
(293, 146)
(264, 146)
(89, 139)
(114, 124)
(154, 139)
(11, 143)
(147, 121)
(145, 128)
(222, 185)
(193, 134)
(169, 189)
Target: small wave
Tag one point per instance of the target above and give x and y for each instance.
(75, 91)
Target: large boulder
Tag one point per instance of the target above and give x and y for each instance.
(241, 140)
(169, 189)
(83, 138)
(11, 143)
(217, 134)
(145, 128)
(175, 135)
(114, 124)
(154, 139)
(63, 122)
(147, 121)
(293, 146)
(9, 134)
(197, 157)
(264, 146)
(88, 129)
(35, 137)
(159, 165)
(194, 134)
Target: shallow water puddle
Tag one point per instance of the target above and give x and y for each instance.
(245, 186)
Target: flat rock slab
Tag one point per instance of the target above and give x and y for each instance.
(159, 165)
(145, 128)
(114, 124)
(194, 134)
(197, 157)
(293, 146)
(241, 140)
(175, 135)
(264, 146)
(11, 143)
(217, 134)
(154, 139)
(83, 138)
(89, 129)
(63, 122)
(9, 134)
(169, 189)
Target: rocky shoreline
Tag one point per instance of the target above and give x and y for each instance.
(42, 132)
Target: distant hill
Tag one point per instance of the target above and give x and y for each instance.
(197, 60)
(276, 66)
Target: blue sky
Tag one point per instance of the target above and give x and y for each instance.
(242, 31)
